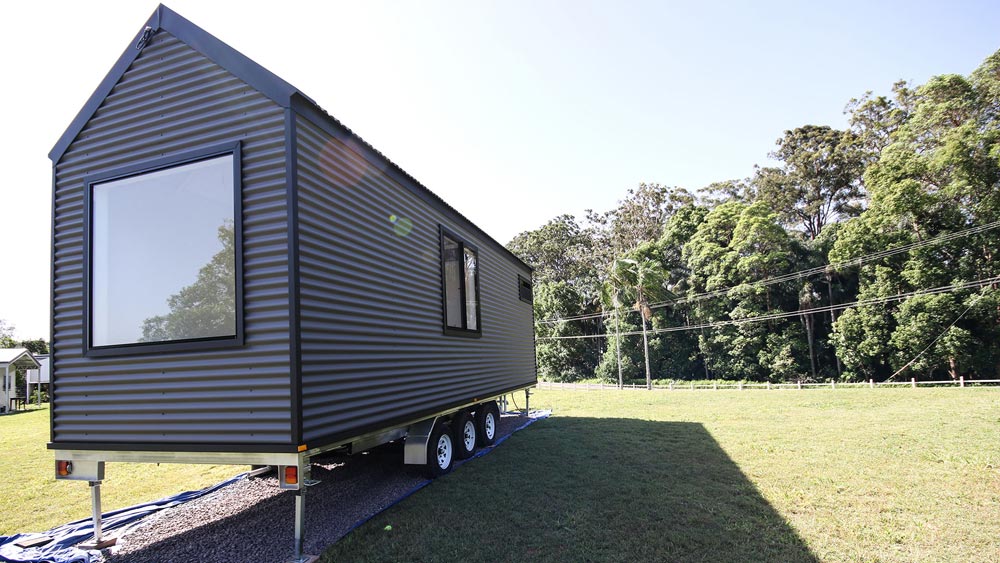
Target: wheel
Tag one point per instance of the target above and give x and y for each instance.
(440, 450)
(465, 431)
(487, 421)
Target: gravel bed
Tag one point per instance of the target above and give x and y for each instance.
(253, 520)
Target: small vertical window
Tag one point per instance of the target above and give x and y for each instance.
(460, 285)
(524, 289)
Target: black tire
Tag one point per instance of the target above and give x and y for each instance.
(487, 424)
(440, 450)
(466, 434)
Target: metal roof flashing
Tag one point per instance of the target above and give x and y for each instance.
(103, 89)
(244, 68)
(165, 19)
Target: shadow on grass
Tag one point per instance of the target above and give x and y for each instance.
(586, 489)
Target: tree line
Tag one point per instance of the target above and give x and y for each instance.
(7, 340)
(864, 253)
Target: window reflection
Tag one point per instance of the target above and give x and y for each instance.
(471, 298)
(163, 255)
(452, 283)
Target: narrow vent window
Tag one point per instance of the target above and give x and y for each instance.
(524, 289)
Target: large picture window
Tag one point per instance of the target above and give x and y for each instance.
(460, 285)
(164, 254)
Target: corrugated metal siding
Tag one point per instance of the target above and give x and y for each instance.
(170, 101)
(371, 312)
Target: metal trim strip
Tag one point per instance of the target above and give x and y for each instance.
(213, 457)
(173, 447)
(294, 292)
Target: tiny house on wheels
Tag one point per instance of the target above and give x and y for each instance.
(239, 278)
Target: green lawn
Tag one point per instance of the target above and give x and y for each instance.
(33, 501)
(844, 475)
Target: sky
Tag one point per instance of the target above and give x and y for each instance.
(514, 112)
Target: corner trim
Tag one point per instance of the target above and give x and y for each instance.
(294, 273)
(52, 313)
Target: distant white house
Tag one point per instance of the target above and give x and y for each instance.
(37, 377)
(10, 360)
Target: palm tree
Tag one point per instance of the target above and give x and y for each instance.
(639, 282)
(611, 295)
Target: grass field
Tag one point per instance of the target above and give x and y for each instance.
(33, 501)
(818, 475)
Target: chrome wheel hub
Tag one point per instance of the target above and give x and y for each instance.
(469, 435)
(490, 426)
(444, 451)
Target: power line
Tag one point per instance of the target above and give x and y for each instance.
(861, 260)
(807, 272)
(943, 332)
(786, 314)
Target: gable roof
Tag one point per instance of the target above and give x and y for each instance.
(259, 78)
(241, 66)
(17, 356)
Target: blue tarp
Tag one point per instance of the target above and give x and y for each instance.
(61, 549)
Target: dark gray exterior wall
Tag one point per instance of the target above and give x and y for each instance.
(342, 314)
(173, 100)
(373, 348)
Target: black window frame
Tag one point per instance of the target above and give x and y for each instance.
(138, 169)
(523, 282)
(463, 245)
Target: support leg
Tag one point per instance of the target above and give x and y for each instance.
(97, 542)
(95, 507)
(527, 399)
(300, 519)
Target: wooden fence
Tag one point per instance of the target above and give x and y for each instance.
(740, 386)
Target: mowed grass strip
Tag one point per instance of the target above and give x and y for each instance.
(33, 501)
(831, 475)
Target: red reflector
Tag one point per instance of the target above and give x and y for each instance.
(291, 475)
(64, 468)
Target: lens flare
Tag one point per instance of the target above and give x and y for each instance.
(341, 163)
(401, 225)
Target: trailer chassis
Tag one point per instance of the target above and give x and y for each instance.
(293, 468)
